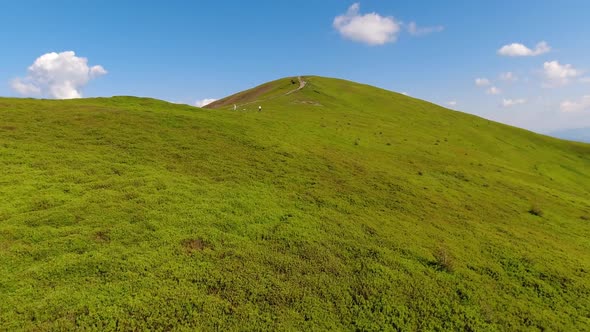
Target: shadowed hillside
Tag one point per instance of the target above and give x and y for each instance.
(338, 207)
(262, 92)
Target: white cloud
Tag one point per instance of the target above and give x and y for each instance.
(452, 103)
(493, 91)
(57, 75)
(204, 102)
(517, 49)
(372, 29)
(576, 106)
(25, 88)
(415, 30)
(557, 74)
(482, 82)
(97, 71)
(508, 76)
(513, 102)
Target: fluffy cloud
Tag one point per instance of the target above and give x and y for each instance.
(204, 102)
(482, 82)
(57, 75)
(415, 30)
(557, 74)
(372, 29)
(513, 102)
(508, 76)
(516, 49)
(576, 106)
(25, 88)
(493, 91)
(452, 103)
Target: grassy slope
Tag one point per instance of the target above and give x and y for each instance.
(340, 206)
(266, 91)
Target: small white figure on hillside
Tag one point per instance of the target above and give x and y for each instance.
(235, 107)
(259, 108)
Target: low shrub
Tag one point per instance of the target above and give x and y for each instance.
(444, 260)
(535, 210)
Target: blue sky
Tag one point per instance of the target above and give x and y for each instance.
(185, 51)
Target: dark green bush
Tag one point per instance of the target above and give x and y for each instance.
(535, 210)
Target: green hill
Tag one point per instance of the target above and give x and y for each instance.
(338, 207)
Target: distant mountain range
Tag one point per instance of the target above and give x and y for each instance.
(576, 134)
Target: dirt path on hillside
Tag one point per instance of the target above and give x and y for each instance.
(302, 84)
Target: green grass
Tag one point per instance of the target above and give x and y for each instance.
(339, 207)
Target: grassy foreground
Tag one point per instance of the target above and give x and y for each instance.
(339, 207)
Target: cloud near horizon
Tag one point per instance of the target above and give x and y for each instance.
(371, 29)
(57, 75)
(508, 76)
(482, 82)
(513, 102)
(557, 74)
(517, 49)
(493, 91)
(583, 104)
(204, 102)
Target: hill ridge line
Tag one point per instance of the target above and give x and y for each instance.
(302, 84)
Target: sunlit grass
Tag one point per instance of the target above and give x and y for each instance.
(340, 206)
